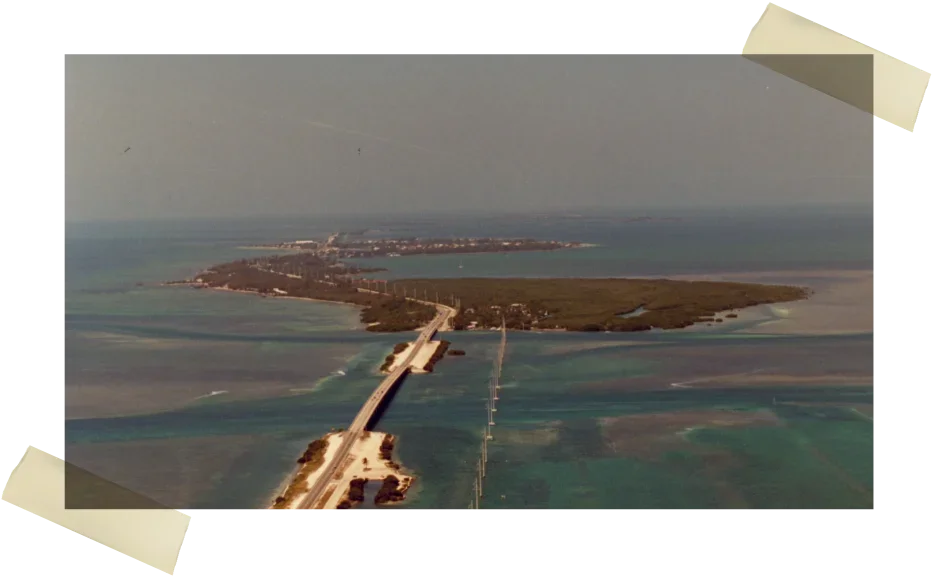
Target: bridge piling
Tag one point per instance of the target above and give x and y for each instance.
(370, 412)
(494, 384)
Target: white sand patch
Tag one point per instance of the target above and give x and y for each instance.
(754, 314)
(842, 303)
(419, 361)
(333, 440)
(842, 307)
(365, 461)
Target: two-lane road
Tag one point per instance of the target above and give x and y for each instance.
(368, 409)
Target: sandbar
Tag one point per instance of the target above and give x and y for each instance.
(420, 360)
(334, 440)
(841, 304)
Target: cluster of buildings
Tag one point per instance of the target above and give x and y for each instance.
(396, 247)
(517, 310)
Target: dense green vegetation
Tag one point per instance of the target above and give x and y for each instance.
(388, 360)
(307, 264)
(387, 446)
(356, 494)
(437, 354)
(356, 491)
(594, 304)
(315, 450)
(310, 461)
(392, 314)
(589, 305)
(384, 313)
(389, 491)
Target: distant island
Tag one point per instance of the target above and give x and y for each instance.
(340, 246)
(617, 219)
(573, 304)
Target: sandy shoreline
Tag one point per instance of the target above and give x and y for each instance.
(364, 462)
(842, 303)
(273, 296)
(420, 360)
(275, 248)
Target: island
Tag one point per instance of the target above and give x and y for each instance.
(311, 460)
(389, 359)
(437, 355)
(595, 304)
(311, 277)
(371, 460)
(348, 245)
(572, 304)
(614, 219)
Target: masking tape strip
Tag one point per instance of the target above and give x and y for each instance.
(151, 533)
(898, 88)
(87, 491)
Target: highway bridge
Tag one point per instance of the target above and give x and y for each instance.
(367, 412)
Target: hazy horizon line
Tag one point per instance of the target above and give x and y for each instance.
(456, 212)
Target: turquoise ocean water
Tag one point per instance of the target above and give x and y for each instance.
(204, 400)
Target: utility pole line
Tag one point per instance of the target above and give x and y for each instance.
(482, 460)
(485, 444)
